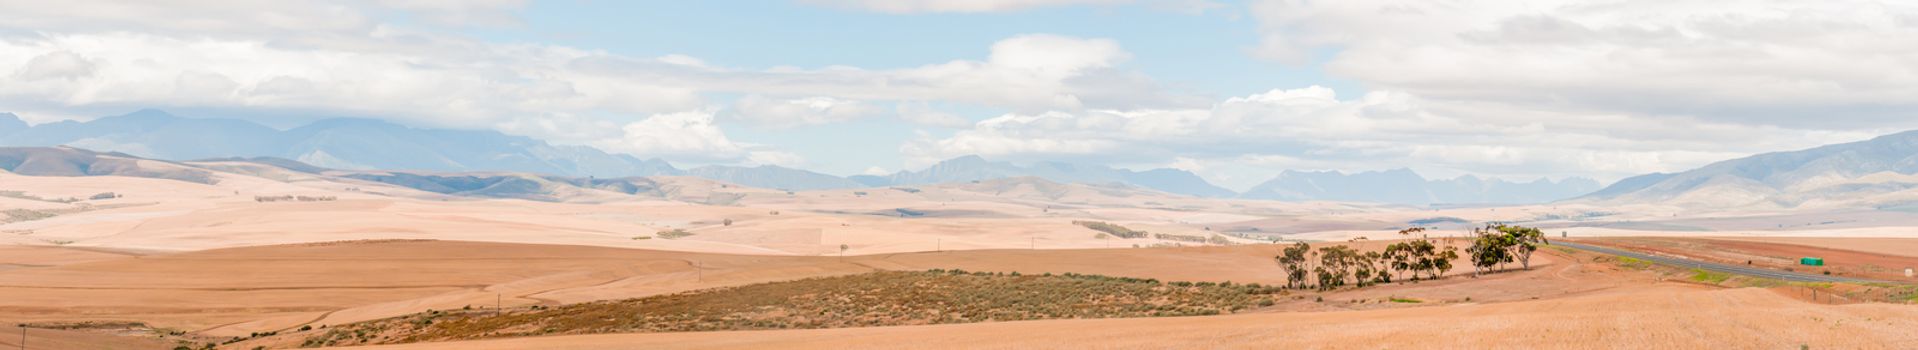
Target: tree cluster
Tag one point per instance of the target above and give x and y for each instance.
(1331, 267)
(1495, 245)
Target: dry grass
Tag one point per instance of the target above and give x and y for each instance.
(865, 300)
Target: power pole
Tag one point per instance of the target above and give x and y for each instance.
(1035, 244)
(23, 336)
(699, 270)
(499, 302)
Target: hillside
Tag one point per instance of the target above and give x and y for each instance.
(64, 161)
(1877, 173)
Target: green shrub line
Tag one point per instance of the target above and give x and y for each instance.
(1115, 230)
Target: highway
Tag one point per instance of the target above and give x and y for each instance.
(1716, 267)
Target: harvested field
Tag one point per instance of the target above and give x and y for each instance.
(1663, 316)
(865, 300)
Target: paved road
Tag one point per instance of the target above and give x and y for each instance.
(1716, 267)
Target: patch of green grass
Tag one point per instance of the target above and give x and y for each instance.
(1820, 285)
(1633, 263)
(1760, 282)
(1406, 300)
(1700, 275)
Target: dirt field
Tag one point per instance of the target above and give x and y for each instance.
(214, 263)
(1660, 316)
(238, 291)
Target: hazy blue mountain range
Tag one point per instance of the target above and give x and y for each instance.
(371, 144)
(365, 144)
(1406, 187)
(1876, 172)
(975, 168)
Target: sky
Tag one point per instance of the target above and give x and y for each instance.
(1233, 91)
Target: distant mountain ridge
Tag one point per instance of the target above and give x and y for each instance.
(1881, 172)
(1403, 186)
(975, 168)
(366, 144)
(372, 144)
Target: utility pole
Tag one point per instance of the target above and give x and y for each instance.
(499, 301)
(699, 270)
(23, 336)
(1035, 244)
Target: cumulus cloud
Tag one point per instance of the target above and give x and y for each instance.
(56, 65)
(692, 136)
(923, 114)
(762, 111)
(979, 6)
(335, 57)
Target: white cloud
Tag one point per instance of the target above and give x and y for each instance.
(1054, 55)
(923, 114)
(682, 135)
(1313, 129)
(978, 6)
(56, 65)
(1805, 64)
(779, 113)
(337, 58)
(444, 81)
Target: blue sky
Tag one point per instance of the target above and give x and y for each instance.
(1234, 91)
(1201, 53)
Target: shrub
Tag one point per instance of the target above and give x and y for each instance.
(1115, 230)
(674, 234)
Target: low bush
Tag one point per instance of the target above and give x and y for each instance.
(673, 234)
(1115, 230)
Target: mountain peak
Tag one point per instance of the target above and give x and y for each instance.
(970, 159)
(10, 123)
(150, 113)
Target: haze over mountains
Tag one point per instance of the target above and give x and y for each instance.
(364, 144)
(1405, 186)
(1878, 173)
(974, 168)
